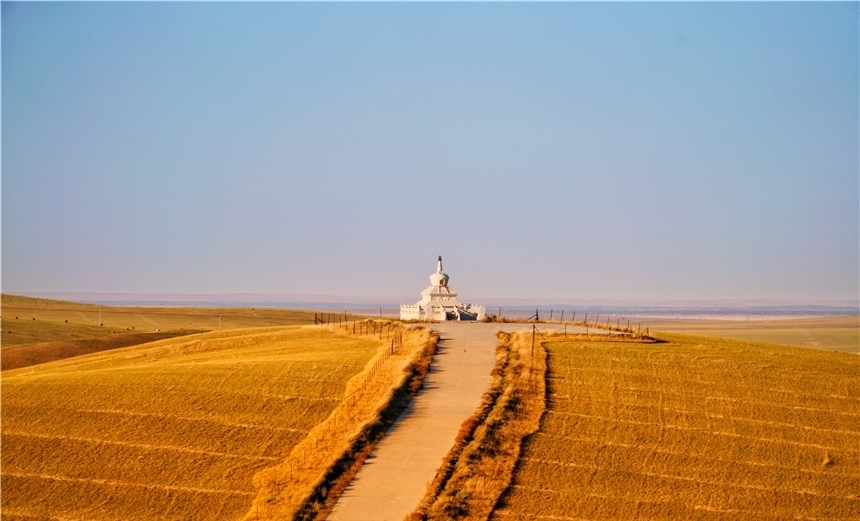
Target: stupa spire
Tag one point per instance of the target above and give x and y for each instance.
(439, 302)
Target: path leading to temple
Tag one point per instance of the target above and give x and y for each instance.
(393, 479)
(395, 476)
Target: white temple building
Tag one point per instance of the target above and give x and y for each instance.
(439, 302)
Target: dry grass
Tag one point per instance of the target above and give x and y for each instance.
(299, 487)
(489, 446)
(833, 333)
(695, 428)
(120, 319)
(20, 332)
(34, 354)
(35, 330)
(178, 429)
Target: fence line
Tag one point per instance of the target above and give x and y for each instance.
(367, 327)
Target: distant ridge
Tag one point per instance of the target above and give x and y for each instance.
(389, 304)
(509, 301)
(212, 298)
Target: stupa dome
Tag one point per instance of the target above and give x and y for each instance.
(439, 278)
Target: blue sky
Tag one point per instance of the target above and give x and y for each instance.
(555, 150)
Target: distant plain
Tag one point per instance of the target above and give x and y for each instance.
(832, 333)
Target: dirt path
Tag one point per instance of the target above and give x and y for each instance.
(394, 478)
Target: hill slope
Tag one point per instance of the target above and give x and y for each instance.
(36, 330)
(174, 429)
(142, 319)
(695, 428)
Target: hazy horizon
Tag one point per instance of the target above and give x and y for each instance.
(490, 301)
(557, 151)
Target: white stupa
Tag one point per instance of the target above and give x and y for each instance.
(439, 302)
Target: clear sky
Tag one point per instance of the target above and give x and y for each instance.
(558, 150)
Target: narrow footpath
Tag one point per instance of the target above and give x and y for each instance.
(393, 479)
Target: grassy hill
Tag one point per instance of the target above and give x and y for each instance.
(141, 318)
(35, 330)
(33, 354)
(693, 428)
(175, 429)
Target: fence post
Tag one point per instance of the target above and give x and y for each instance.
(533, 340)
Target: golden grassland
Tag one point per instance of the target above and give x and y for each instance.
(693, 428)
(832, 333)
(142, 318)
(35, 330)
(33, 354)
(488, 447)
(178, 429)
(301, 486)
(16, 333)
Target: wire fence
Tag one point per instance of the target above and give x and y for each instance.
(384, 330)
(612, 323)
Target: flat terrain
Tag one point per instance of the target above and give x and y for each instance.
(175, 429)
(832, 333)
(695, 428)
